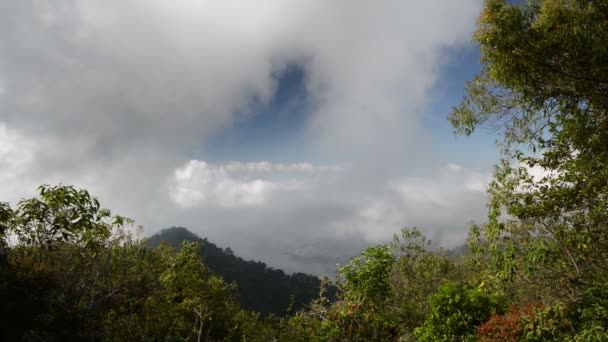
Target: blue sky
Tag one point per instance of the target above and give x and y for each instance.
(478, 149)
(297, 132)
(274, 131)
(270, 131)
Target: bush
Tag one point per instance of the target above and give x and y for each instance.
(547, 324)
(456, 311)
(593, 313)
(508, 327)
(367, 277)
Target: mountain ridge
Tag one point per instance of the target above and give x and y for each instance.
(261, 288)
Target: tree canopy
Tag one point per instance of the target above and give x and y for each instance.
(544, 89)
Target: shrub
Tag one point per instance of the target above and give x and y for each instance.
(456, 311)
(593, 313)
(508, 327)
(549, 323)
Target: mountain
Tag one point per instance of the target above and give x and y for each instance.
(261, 288)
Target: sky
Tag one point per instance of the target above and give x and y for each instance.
(296, 132)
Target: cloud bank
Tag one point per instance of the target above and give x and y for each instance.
(117, 96)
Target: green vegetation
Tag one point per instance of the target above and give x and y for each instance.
(455, 313)
(536, 271)
(75, 273)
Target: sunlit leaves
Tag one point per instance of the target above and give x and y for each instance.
(62, 214)
(367, 277)
(544, 91)
(456, 311)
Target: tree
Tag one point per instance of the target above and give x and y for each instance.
(360, 313)
(62, 214)
(188, 302)
(52, 276)
(544, 89)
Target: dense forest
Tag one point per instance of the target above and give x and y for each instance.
(260, 288)
(535, 271)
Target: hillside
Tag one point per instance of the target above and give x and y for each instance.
(261, 288)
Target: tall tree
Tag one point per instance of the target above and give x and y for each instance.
(544, 89)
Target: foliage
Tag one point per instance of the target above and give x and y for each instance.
(547, 324)
(456, 311)
(77, 274)
(52, 282)
(544, 89)
(345, 321)
(417, 274)
(62, 213)
(187, 302)
(508, 327)
(592, 313)
(360, 313)
(384, 293)
(367, 277)
(117, 288)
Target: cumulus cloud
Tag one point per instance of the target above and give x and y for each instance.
(197, 183)
(236, 184)
(118, 96)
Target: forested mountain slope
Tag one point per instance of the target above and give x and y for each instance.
(261, 288)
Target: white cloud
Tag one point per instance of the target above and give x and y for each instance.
(446, 199)
(235, 194)
(454, 167)
(478, 182)
(268, 167)
(537, 177)
(17, 155)
(539, 174)
(196, 184)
